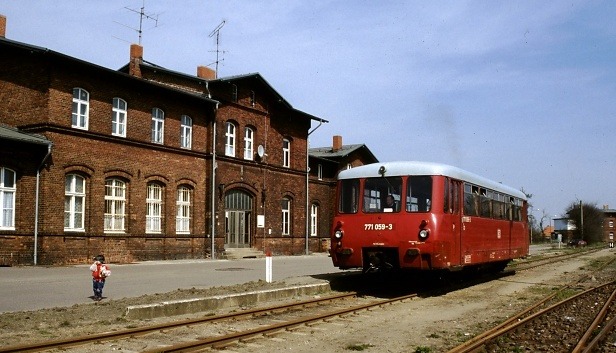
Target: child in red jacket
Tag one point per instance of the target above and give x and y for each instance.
(100, 271)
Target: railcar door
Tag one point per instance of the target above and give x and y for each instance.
(452, 221)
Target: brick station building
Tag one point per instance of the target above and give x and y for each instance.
(146, 163)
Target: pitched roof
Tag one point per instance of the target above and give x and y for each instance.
(345, 150)
(229, 79)
(14, 134)
(66, 58)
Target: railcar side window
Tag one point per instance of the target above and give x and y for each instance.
(376, 191)
(348, 199)
(511, 208)
(447, 204)
(498, 206)
(486, 203)
(517, 210)
(451, 196)
(419, 194)
(471, 200)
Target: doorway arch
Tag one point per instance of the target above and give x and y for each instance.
(238, 219)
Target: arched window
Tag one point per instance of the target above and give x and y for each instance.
(230, 140)
(7, 198)
(154, 208)
(74, 202)
(158, 125)
(115, 205)
(186, 132)
(81, 108)
(184, 208)
(118, 117)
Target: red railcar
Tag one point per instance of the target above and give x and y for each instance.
(441, 218)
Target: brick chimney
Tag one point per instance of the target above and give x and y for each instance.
(2, 26)
(206, 73)
(136, 57)
(337, 143)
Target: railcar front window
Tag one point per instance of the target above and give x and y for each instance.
(419, 194)
(382, 194)
(348, 199)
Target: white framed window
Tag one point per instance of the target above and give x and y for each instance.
(115, 205)
(349, 166)
(314, 219)
(184, 206)
(286, 216)
(186, 132)
(320, 172)
(248, 144)
(118, 117)
(81, 108)
(74, 202)
(158, 125)
(286, 153)
(7, 198)
(230, 140)
(154, 208)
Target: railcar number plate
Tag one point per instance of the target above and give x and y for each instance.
(378, 226)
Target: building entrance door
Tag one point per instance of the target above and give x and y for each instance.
(238, 216)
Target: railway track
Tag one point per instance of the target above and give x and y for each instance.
(538, 262)
(223, 339)
(577, 324)
(114, 335)
(217, 341)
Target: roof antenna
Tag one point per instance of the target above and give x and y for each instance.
(142, 15)
(216, 32)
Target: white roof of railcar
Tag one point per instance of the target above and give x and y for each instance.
(403, 168)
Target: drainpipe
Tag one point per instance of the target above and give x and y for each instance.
(36, 206)
(307, 181)
(213, 186)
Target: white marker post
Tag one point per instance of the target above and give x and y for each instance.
(268, 266)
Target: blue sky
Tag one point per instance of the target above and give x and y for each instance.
(522, 92)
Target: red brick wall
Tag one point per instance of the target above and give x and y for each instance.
(36, 96)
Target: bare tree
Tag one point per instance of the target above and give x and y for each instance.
(536, 226)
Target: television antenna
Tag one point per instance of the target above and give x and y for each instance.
(216, 32)
(142, 15)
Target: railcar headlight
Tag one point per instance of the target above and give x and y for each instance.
(338, 234)
(423, 234)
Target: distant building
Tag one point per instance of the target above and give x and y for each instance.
(565, 227)
(609, 217)
(324, 165)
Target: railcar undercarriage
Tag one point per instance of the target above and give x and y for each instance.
(380, 259)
